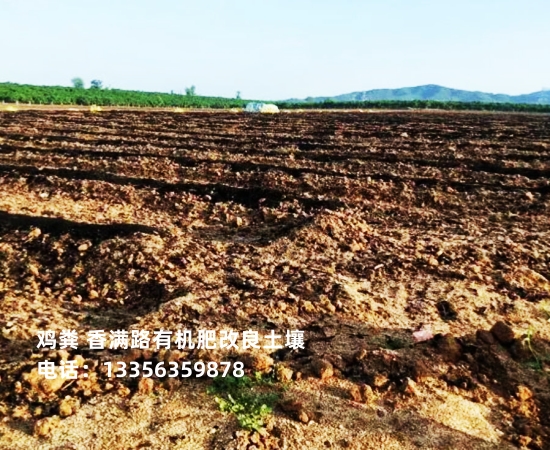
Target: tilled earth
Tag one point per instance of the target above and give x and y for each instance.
(413, 249)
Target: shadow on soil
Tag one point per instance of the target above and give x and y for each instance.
(58, 226)
(218, 192)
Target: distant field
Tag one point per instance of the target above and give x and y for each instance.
(357, 228)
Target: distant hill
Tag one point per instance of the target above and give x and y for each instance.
(435, 93)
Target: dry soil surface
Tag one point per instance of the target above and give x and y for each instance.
(412, 248)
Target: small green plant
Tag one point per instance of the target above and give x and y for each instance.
(538, 360)
(246, 398)
(528, 340)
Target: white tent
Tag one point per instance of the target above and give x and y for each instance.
(261, 107)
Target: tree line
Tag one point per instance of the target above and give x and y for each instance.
(418, 104)
(97, 95)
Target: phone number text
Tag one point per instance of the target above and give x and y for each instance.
(186, 369)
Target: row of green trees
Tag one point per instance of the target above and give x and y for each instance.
(97, 95)
(418, 104)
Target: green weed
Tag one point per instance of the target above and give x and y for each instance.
(248, 399)
(538, 360)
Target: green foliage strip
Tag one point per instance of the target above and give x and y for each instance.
(60, 95)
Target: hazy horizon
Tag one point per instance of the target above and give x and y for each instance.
(278, 51)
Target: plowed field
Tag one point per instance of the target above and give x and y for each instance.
(361, 229)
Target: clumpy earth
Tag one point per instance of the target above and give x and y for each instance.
(412, 248)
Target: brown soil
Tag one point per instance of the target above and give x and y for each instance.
(358, 228)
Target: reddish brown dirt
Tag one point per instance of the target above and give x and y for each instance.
(359, 228)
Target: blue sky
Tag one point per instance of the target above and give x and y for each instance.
(279, 49)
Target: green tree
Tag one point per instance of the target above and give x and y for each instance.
(96, 84)
(78, 83)
(190, 91)
(238, 95)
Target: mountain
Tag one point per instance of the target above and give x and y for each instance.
(434, 92)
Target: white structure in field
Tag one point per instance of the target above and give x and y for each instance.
(261, 107)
